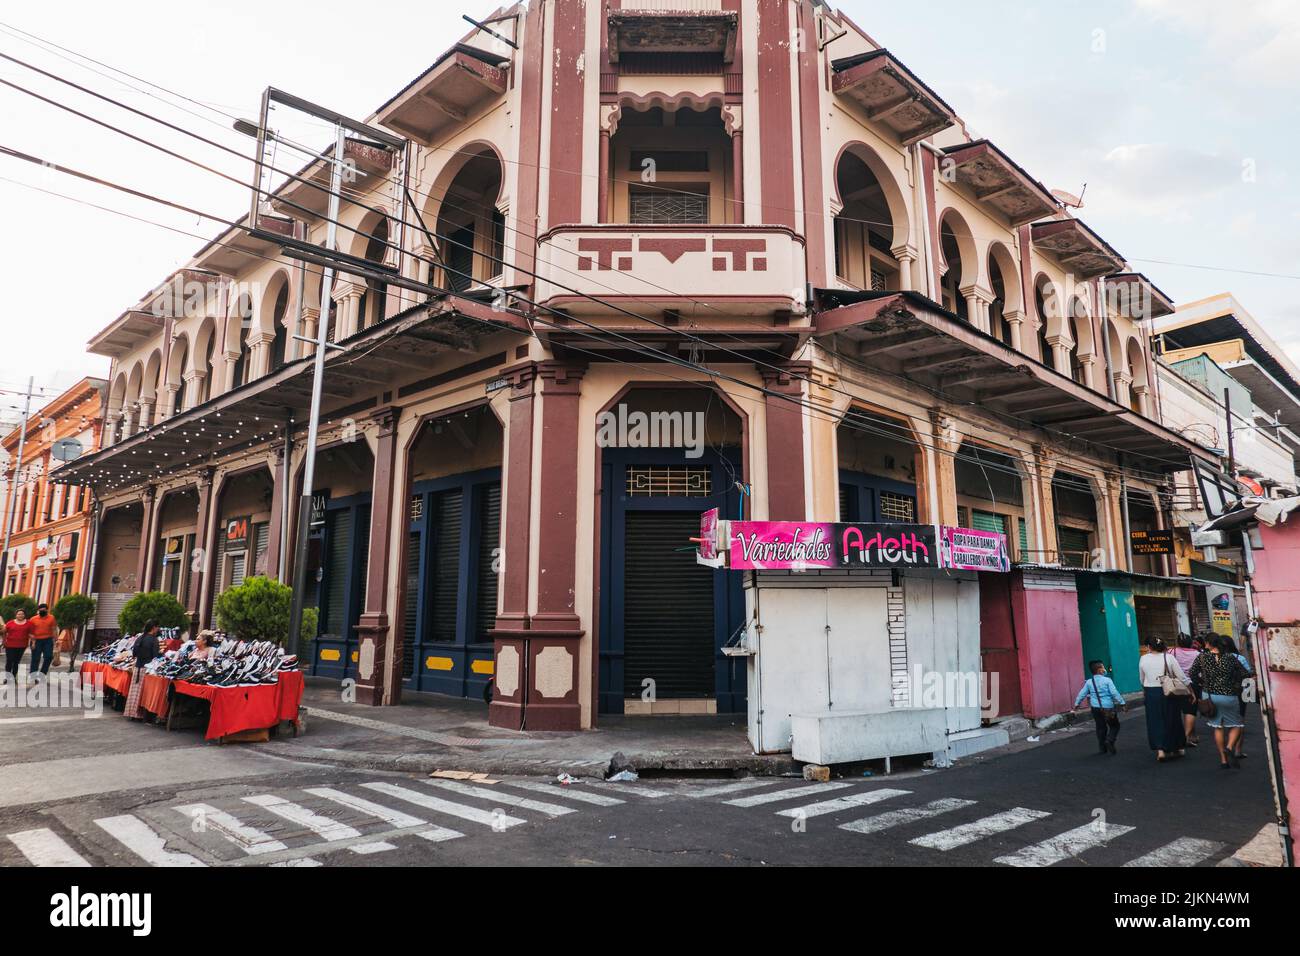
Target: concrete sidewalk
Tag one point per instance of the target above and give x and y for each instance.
(430, 732)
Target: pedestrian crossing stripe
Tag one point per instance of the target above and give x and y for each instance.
(252, 841)
(394, 818)
(1185, 851)
(495, 819)
(758, 799)
(500, 796)
(44, 847)
(894, 818)
(966, 833)
(849, 801)
(138, 837)
(325, 828)
(1066, 845)
(569, 792)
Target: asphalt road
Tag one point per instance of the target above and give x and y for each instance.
(1055, 802)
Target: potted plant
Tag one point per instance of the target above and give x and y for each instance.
(258, 610)
(149, 606)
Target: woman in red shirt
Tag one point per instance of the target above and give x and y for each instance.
(18, 634)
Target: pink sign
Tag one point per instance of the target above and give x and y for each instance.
(968, 549)
(805, 545)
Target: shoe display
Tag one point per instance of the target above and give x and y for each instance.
(231, 663)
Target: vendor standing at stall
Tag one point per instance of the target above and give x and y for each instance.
(145, 649)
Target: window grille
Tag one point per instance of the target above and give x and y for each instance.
(666, 206)
(897, 507)
(668, 481)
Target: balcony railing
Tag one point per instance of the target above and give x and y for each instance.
(693, 269)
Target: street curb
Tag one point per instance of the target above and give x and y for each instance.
(424, 763)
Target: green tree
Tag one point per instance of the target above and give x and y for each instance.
(74, 611)
(258, 610)
(151, 606)
(11, 604)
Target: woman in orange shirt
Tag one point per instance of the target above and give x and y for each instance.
(44, 628)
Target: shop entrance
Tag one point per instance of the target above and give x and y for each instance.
(664, 618)
(999, 648)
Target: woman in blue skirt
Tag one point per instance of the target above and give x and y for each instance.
(1220, 674)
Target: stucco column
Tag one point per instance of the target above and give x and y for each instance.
(738, 176)
(1123, 384)
(347, 295)
(228, 374)
(1016, 323)
(173, 390)
(1089, 364)
(128, 424)
(310, 318)
(945, 440)
(376, 684)
(146, 413)
(207, 532)
(275, 528)
(1143, 395)
(1046, 505)
(906, 256)
(510, 637)
(602, 191)
(198, 562)
(555, 629)
(259, 354)
(786, 499)
(1060, 353)
(146, 536)
(823, 391)
(113, 429)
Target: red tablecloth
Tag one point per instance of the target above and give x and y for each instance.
(114, 679)
(153, 695)
(235, 709)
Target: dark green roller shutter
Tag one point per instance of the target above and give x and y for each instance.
(667, 607)
(489, 525)
(1024, 538)
(988, 521)
(1073, 546)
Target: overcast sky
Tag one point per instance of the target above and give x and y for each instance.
(1179, 115)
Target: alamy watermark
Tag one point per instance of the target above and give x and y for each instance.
(623, 428)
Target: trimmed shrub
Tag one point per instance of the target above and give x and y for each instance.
(258, 610)
(11, 604)
(151, 606)
(74, 611)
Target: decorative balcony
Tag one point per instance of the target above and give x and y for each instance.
(695, 270)
(461, 81)
(1077, 248)
(686, 26)
(993, 178)
(890, 94)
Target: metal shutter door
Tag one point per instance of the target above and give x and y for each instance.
(489, 529)
(1072, 547)
(237, 567)
(988, 521)
(667, 607)
(338, 529)
(446, 565)
(261, 543)
(411, 637)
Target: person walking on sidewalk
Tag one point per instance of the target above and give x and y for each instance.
(1221, 674)
(1185, 654)
(1250, 672)
(18, 634)
(145, 649)
(1105, 701)
(44, 628)
(1165, 733)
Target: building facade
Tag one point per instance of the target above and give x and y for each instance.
(737, 256)
(49, 523)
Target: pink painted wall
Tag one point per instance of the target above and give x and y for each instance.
(1277, 601)
(1050, 646)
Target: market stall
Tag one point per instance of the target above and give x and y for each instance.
(239, 690)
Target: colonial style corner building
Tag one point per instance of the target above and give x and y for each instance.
(49, 524)
(747, 212)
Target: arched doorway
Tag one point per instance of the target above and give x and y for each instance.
(469, 228)
(452, 553)
(878, 465)
(666, 455)
(1077, 530)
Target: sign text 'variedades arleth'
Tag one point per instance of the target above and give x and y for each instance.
(767, 545)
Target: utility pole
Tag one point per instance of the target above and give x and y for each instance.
(13, 485)
(303, 528)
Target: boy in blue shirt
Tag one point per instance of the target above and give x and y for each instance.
(1105, 701)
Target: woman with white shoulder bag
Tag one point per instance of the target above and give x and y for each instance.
(1164, 685)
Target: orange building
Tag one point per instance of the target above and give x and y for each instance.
(49, 524)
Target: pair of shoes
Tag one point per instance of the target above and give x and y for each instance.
(1111, 749)
(1225, 766)
(1191, 742)
(1160, 756)
(1241, 756)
